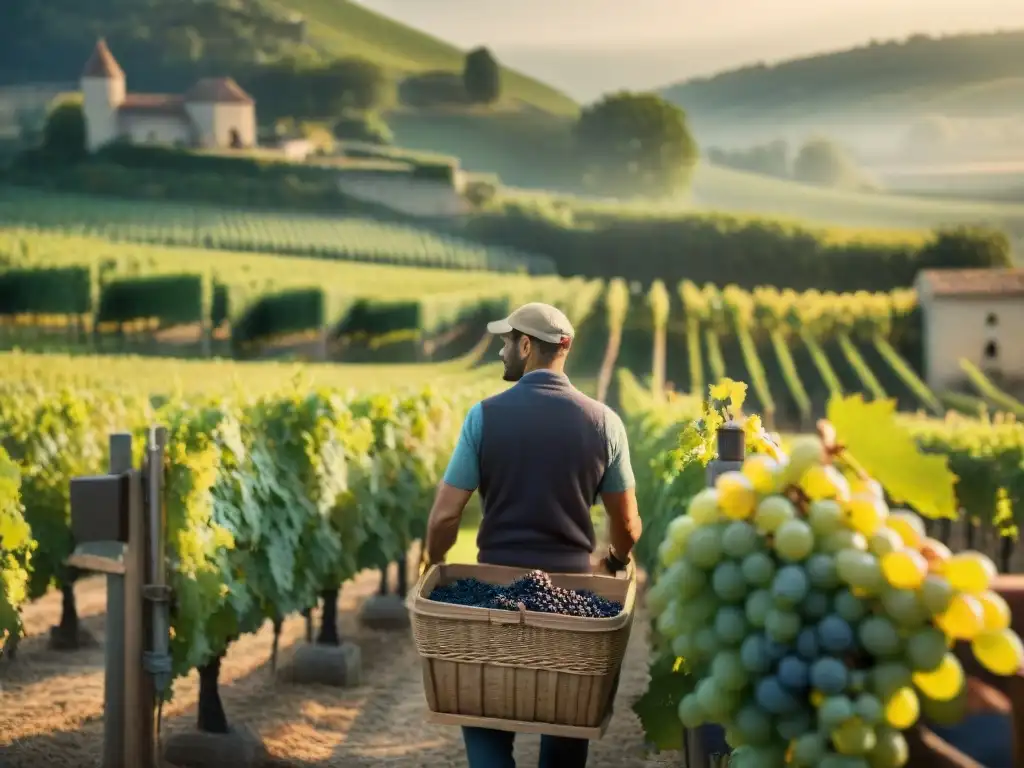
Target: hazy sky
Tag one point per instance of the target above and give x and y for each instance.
(590, 46)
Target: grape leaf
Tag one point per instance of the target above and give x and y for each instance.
(888, 452)
(658, 707)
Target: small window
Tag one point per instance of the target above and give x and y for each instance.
(992, 320)
(991, 351)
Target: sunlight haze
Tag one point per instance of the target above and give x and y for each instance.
(587, 47)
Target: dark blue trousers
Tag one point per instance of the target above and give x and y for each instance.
(487, 748)
(986, 737)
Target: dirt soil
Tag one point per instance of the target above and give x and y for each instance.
(51, 702)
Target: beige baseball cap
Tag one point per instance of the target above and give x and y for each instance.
(542, 321)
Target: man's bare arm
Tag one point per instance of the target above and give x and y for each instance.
(624, 526)
(443, 523)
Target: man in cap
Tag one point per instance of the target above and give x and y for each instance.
(540, 453)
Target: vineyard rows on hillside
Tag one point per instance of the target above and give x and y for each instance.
(76, 284)
(797, 350)
(343, 237)
(25, 248)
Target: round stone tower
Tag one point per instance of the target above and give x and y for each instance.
(103, 92)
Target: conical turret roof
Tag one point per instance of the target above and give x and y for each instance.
(102, 63)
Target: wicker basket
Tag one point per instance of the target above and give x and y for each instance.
(520, 671)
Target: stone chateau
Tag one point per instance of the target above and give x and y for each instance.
(213, 113)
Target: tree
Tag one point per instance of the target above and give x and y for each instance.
(482, 76)
(824, 163)
(64, 132)
(966, 246)
(291, 88)
(631, 143)
(367, 127)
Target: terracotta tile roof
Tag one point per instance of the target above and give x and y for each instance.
(102, 63)
(162, 103)
(973, 282)
(217, 90)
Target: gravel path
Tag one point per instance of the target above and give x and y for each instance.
(51, 702)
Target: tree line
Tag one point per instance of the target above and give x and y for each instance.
(819, 161)
(843, 78)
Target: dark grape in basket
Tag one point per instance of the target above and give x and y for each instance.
(535, 591)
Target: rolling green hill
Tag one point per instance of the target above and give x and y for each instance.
(167, 43)
(724, 189)
(965, 75)
(880, 217)
(345, 28)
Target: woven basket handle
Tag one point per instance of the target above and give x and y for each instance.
(424, 570)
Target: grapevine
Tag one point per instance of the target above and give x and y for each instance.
(15, 553)
(52, 437)
(912, 381)
(273, 499)
(990, 391)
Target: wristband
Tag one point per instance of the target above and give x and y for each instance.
(613, 563)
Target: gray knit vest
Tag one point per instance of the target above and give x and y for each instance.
(543, 453)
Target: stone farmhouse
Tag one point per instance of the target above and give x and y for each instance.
(973, 314)
(213, 113)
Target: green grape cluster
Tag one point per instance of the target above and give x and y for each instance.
(816, 620)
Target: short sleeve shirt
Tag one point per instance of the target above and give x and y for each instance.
(464, 467)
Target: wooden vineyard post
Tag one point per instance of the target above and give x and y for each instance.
(135, 718)
(103, 509)
(705, 746)
(119, 529)
(155, 594)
